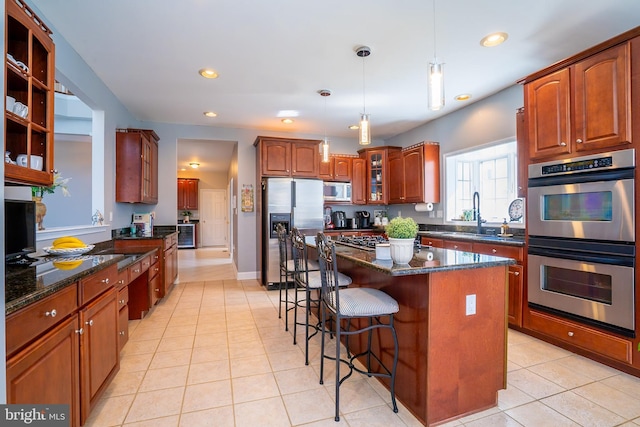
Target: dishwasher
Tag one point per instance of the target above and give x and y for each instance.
(186, 236)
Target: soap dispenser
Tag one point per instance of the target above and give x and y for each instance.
(504, 228)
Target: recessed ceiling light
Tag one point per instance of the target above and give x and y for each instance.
(462, 97)
(194, 165)
(287, 121)
(354, 127)
(208, 73)
(210, 114)
(494, 39)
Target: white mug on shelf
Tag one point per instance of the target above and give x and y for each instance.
(20, 109)
(36, 161)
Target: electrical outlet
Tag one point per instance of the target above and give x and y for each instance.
(110, 216)
(432, 214)
(471, 305)
(439, 214)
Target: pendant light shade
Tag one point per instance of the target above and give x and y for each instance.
(325, 93)
(435, 85)
(365, 135)
(365, 128)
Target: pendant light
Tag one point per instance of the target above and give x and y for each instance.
(436, 74)
(365, 130)
(325, 93)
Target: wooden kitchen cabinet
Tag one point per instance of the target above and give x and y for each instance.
(287, 157)
(28, 40)
(458, 245)
(377, 173)
(123, 317)
(47, 371)
(523, 153)
(415, 174)
(583, 107)
(136, 166)
(338, 168)
(188, 193)
(434, 243)
(359, 182)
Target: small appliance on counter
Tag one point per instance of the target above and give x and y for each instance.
(339, 219)
(363, 219)
(143, 223)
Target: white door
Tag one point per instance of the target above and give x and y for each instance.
(213, 217)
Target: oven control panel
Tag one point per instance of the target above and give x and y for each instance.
(578, 165)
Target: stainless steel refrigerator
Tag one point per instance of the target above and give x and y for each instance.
(292, 202)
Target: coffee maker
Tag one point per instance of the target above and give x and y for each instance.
(143, 223)
(339, 219)
(363, 219)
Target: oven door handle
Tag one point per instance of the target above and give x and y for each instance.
(579, 178)
(622, 261)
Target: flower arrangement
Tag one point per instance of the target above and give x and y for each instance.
(58, 182)
(402, 228)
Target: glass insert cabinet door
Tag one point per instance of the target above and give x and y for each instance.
(375, 177)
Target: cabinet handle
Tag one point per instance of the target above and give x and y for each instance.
(105, 280)
(156, 257)
(80, 331)
(515, 273)
(157, 269)
(494, 250)
(51, 313)
(563, 144)
(90, 322)
(455, 246)
(122, 333)
(121, 301)
(157, 290)
(570, 333)
(579, 141)
(137, 270)
(121, 282)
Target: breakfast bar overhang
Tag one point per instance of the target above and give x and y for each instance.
(452, 327)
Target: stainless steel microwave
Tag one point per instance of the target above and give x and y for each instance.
(337, 192)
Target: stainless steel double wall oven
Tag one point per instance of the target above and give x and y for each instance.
(581, 226)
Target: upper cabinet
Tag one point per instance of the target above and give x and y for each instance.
(136, 166)
(415, 174)
(29, 92)
(359, 182)
(377, 173)
(338, 168)
(188, 193)
(583, 103)
(523, 152)
(287, 157)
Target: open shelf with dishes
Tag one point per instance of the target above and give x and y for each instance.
(29, 97)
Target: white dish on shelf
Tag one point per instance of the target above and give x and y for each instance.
(67, 251)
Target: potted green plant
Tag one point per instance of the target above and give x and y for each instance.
(185, 216)
(401, 233)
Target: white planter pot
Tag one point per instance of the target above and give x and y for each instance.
(401, 250)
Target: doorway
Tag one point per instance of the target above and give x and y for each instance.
(214, 224)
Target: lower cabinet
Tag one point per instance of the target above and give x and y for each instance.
(48, 370)
(99, 355)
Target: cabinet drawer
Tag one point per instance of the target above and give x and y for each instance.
(499, 250)
(97, 283)
(123, 327)
(582, 336)
(26, 324)
(458, 245)
(145, 263)
(135, 270)
(434, 243)
(123, 278)
(123, 297)
(154, 269)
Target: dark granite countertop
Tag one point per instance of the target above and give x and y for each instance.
(26, 284)
(425, 260)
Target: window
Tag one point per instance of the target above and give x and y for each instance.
(491, 170)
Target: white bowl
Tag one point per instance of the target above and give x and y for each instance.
(11, 102)
(67, 252)
(35, 163)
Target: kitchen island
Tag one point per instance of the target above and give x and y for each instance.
(452, 327)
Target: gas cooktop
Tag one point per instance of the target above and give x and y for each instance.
(367, 243)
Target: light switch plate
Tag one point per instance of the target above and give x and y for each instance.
(471, 305)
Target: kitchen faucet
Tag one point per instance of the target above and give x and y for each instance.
(476, 211)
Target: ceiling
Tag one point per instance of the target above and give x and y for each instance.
(273, 56)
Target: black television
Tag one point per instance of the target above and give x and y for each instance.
(19, 230)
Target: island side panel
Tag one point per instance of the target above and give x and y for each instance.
(467, 353)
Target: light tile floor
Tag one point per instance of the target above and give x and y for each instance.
(214, 353)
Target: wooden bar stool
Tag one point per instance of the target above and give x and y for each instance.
(367, 306)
